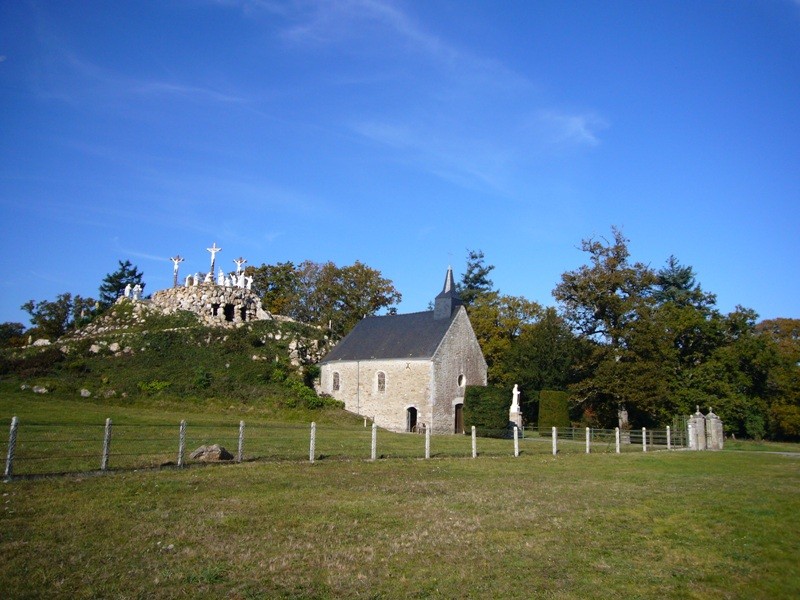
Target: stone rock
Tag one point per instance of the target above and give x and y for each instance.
(42, 342)
(212, 453)
(114, 347)
(94, 348)
(85, 393)
(38, 389)
(109, 393)
(24, 387)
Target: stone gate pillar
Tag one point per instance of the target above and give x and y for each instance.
(697, 431)
(714, 433)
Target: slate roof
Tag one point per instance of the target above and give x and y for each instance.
(413, 335)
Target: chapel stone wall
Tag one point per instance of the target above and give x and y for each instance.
(406, 384)
(457, 363)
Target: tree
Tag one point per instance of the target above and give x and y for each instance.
(498, 320)
(784, 377)
(113, 284)
(676, 284)
(277, 285)
(50, 318)
(361, 291)
(323, 294)
(600, 300)
(547, 355)
(475, 280)
(11, 334)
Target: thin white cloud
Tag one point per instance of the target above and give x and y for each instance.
(458, 158)
(565, 129)
(67, 76)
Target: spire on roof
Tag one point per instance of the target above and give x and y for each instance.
(448, 299)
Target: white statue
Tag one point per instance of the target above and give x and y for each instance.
(515, 399)
(249, 282)
(209, 277)
(221, 277)
(196, 279)
(188, 280)
(128, 291)
(137, 291)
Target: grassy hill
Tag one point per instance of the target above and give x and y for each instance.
(136, 356)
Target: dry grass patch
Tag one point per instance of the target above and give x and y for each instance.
(677, 525)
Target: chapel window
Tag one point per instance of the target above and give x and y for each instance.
(381, 381)
(336, 382)
(461, 380)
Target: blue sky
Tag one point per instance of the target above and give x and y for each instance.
(400, 134)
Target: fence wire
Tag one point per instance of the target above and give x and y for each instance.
(47, 449)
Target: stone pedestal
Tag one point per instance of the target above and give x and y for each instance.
(515, 417)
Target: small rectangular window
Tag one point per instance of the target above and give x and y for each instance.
(336, 382)
(381, 381)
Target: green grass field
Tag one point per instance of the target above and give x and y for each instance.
(656, 525)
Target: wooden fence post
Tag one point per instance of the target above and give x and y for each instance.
(106, 446)
(554, 434)
(474, 443)
(616, 434)
(644, 439)
(240, 454)
(516, 441)
(313, 444)
(669, 439)
(588, 442)
(181, 443)
(12, 446)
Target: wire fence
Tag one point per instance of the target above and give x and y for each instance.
(33, 449)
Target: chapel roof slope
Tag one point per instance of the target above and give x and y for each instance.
(413, 335)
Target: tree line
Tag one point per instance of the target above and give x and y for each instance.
(653, 342)
(621, 335)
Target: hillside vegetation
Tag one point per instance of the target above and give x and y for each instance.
(137, 356)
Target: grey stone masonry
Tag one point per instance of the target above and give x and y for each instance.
(714, 432)
(214, 304)
(705, 432)
(697, 431)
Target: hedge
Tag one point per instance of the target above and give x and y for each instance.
(553, 410)
(487, 409)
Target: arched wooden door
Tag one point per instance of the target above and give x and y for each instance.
(459, 419)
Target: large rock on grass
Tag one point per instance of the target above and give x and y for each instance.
(214, 453)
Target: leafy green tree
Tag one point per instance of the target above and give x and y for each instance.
(498, 320)
(277, 285)
(601, 299)
(113, 284)
(361, 291)
(677, 285)
(547, 355)
(11, 334)
(324, 294)
(475, 280)
(50, 318)
(784, 377)
(83, 310)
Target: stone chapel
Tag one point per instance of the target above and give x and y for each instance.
(408, 372)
